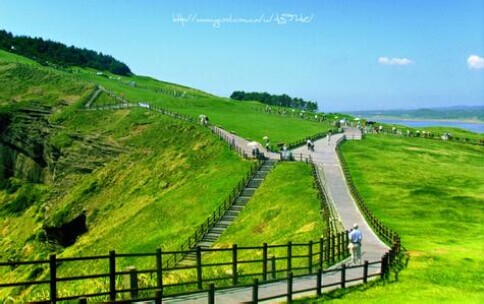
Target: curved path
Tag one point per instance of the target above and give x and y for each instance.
(327, 162)
(326, 159)
(243, 144)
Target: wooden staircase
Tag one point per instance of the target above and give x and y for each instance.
(231, 214)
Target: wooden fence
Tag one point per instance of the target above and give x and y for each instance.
(226, 267)
(387, 235)
(219, 212)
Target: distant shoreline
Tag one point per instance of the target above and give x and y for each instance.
(473, 121)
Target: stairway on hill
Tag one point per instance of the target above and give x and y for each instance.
(231, 214)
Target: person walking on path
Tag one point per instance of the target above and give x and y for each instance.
(354, 246)
(329, 137)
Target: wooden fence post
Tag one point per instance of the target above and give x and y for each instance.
(53, 278)
(382, 269)
(333, 239)
(255, 291)
(319, 282)
(343, 276)
(211, 293)
(132, 282)
(289, 287)
(199, 267)
(112, 275)
(365, 272)
(310, 256)
(339, 245)
(264, 262)
(273, 267)
(321, 248)
(159, 270)
(158, 296)
(234, 265)
(289, 257)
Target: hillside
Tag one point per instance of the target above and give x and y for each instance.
(48, 52)
(431, 192)
(129, 179)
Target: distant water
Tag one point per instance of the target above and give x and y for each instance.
(473, 127)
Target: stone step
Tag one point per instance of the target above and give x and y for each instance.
(212, 235)
(237, 208)
(241, 200)
(228, 218)
(261, 174)
(231, 212)
(222, 224)
(248, 192)
(216, 230)
(205, 245)
(255, 182)
(210, 239)
(266, 168)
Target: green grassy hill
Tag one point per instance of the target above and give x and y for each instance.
(432, 194)
(140, 179)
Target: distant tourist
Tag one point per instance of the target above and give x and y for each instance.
(354, 246)
(329, 137)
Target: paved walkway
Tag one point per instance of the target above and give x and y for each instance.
(243, 144)
(327, 162)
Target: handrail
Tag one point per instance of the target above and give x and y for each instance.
(386, 234)
(333, 219)
(219, 212)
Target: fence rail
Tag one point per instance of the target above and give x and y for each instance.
(384, 233)
(268, 263)
(226, 267)
(219, 212)
(328, 212)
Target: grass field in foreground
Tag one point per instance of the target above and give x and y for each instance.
(432, 194)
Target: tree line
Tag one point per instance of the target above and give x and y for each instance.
(51, 52)
(276, 100)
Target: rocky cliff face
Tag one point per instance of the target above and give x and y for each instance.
(24, 151)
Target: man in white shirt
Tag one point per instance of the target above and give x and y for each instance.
(354, 246)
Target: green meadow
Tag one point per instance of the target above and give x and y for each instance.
(432, 194)
(142, 179)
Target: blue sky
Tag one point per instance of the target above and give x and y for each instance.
(346, 55)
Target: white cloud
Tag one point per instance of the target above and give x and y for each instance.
(475, 62)
(394, 61)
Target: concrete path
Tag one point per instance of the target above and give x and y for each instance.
(244, 294)
(243, 144)
(327, 162)
(325, 158)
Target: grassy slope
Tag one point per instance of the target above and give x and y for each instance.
(142, 198)
(245, 118)
(432, 194)
(284, 208)
(151, 184)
